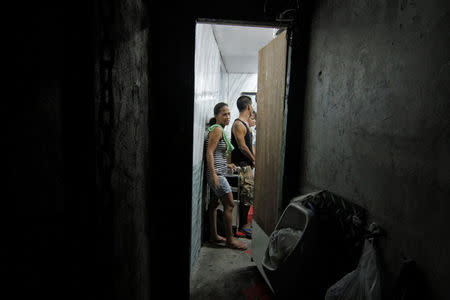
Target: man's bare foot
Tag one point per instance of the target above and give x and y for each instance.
(217, 239)
(236, 244)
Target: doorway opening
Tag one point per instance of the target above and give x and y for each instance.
(229, 60)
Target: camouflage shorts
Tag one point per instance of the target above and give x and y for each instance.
(247, 185)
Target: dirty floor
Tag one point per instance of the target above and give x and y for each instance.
(223, 273)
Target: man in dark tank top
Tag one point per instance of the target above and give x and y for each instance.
(243, 156)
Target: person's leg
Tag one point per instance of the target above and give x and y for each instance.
(243, 215)
(246, 197)
(228, 205)
(212, 213)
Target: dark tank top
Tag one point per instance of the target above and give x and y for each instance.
(237, 157)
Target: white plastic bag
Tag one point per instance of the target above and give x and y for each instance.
(363, 283)
(281, 244)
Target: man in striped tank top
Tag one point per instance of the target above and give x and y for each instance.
(217, 147)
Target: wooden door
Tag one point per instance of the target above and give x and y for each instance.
(270, 132)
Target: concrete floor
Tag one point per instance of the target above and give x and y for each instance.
(223, 273)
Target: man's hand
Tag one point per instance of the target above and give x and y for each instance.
(232, 167)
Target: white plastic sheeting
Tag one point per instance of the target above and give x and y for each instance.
(212, 85)
(207, 84)
(208, 88)
(238, 83)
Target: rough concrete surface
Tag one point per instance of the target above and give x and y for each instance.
(223, 273)
(376, 125)
(130, 135)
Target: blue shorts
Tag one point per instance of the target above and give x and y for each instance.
(223, 188)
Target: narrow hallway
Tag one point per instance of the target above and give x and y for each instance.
(223, 273)
(100, 106)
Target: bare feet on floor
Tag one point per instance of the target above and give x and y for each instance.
(217, 239)
(236, 244)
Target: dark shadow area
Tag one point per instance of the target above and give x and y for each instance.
(51, 151)
(300, 32)
(411, 283)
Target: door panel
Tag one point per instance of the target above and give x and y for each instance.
(270, 130)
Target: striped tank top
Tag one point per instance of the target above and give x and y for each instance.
(220, 158)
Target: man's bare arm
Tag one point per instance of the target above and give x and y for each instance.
(239, 132)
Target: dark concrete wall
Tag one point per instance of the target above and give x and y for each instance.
(130, 136)
(123, 246)
(376, 126)
(64, 242)
(35, 167)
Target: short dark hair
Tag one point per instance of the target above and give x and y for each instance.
(217, 109)
(243, 102)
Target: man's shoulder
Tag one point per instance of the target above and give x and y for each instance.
(238, 124)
